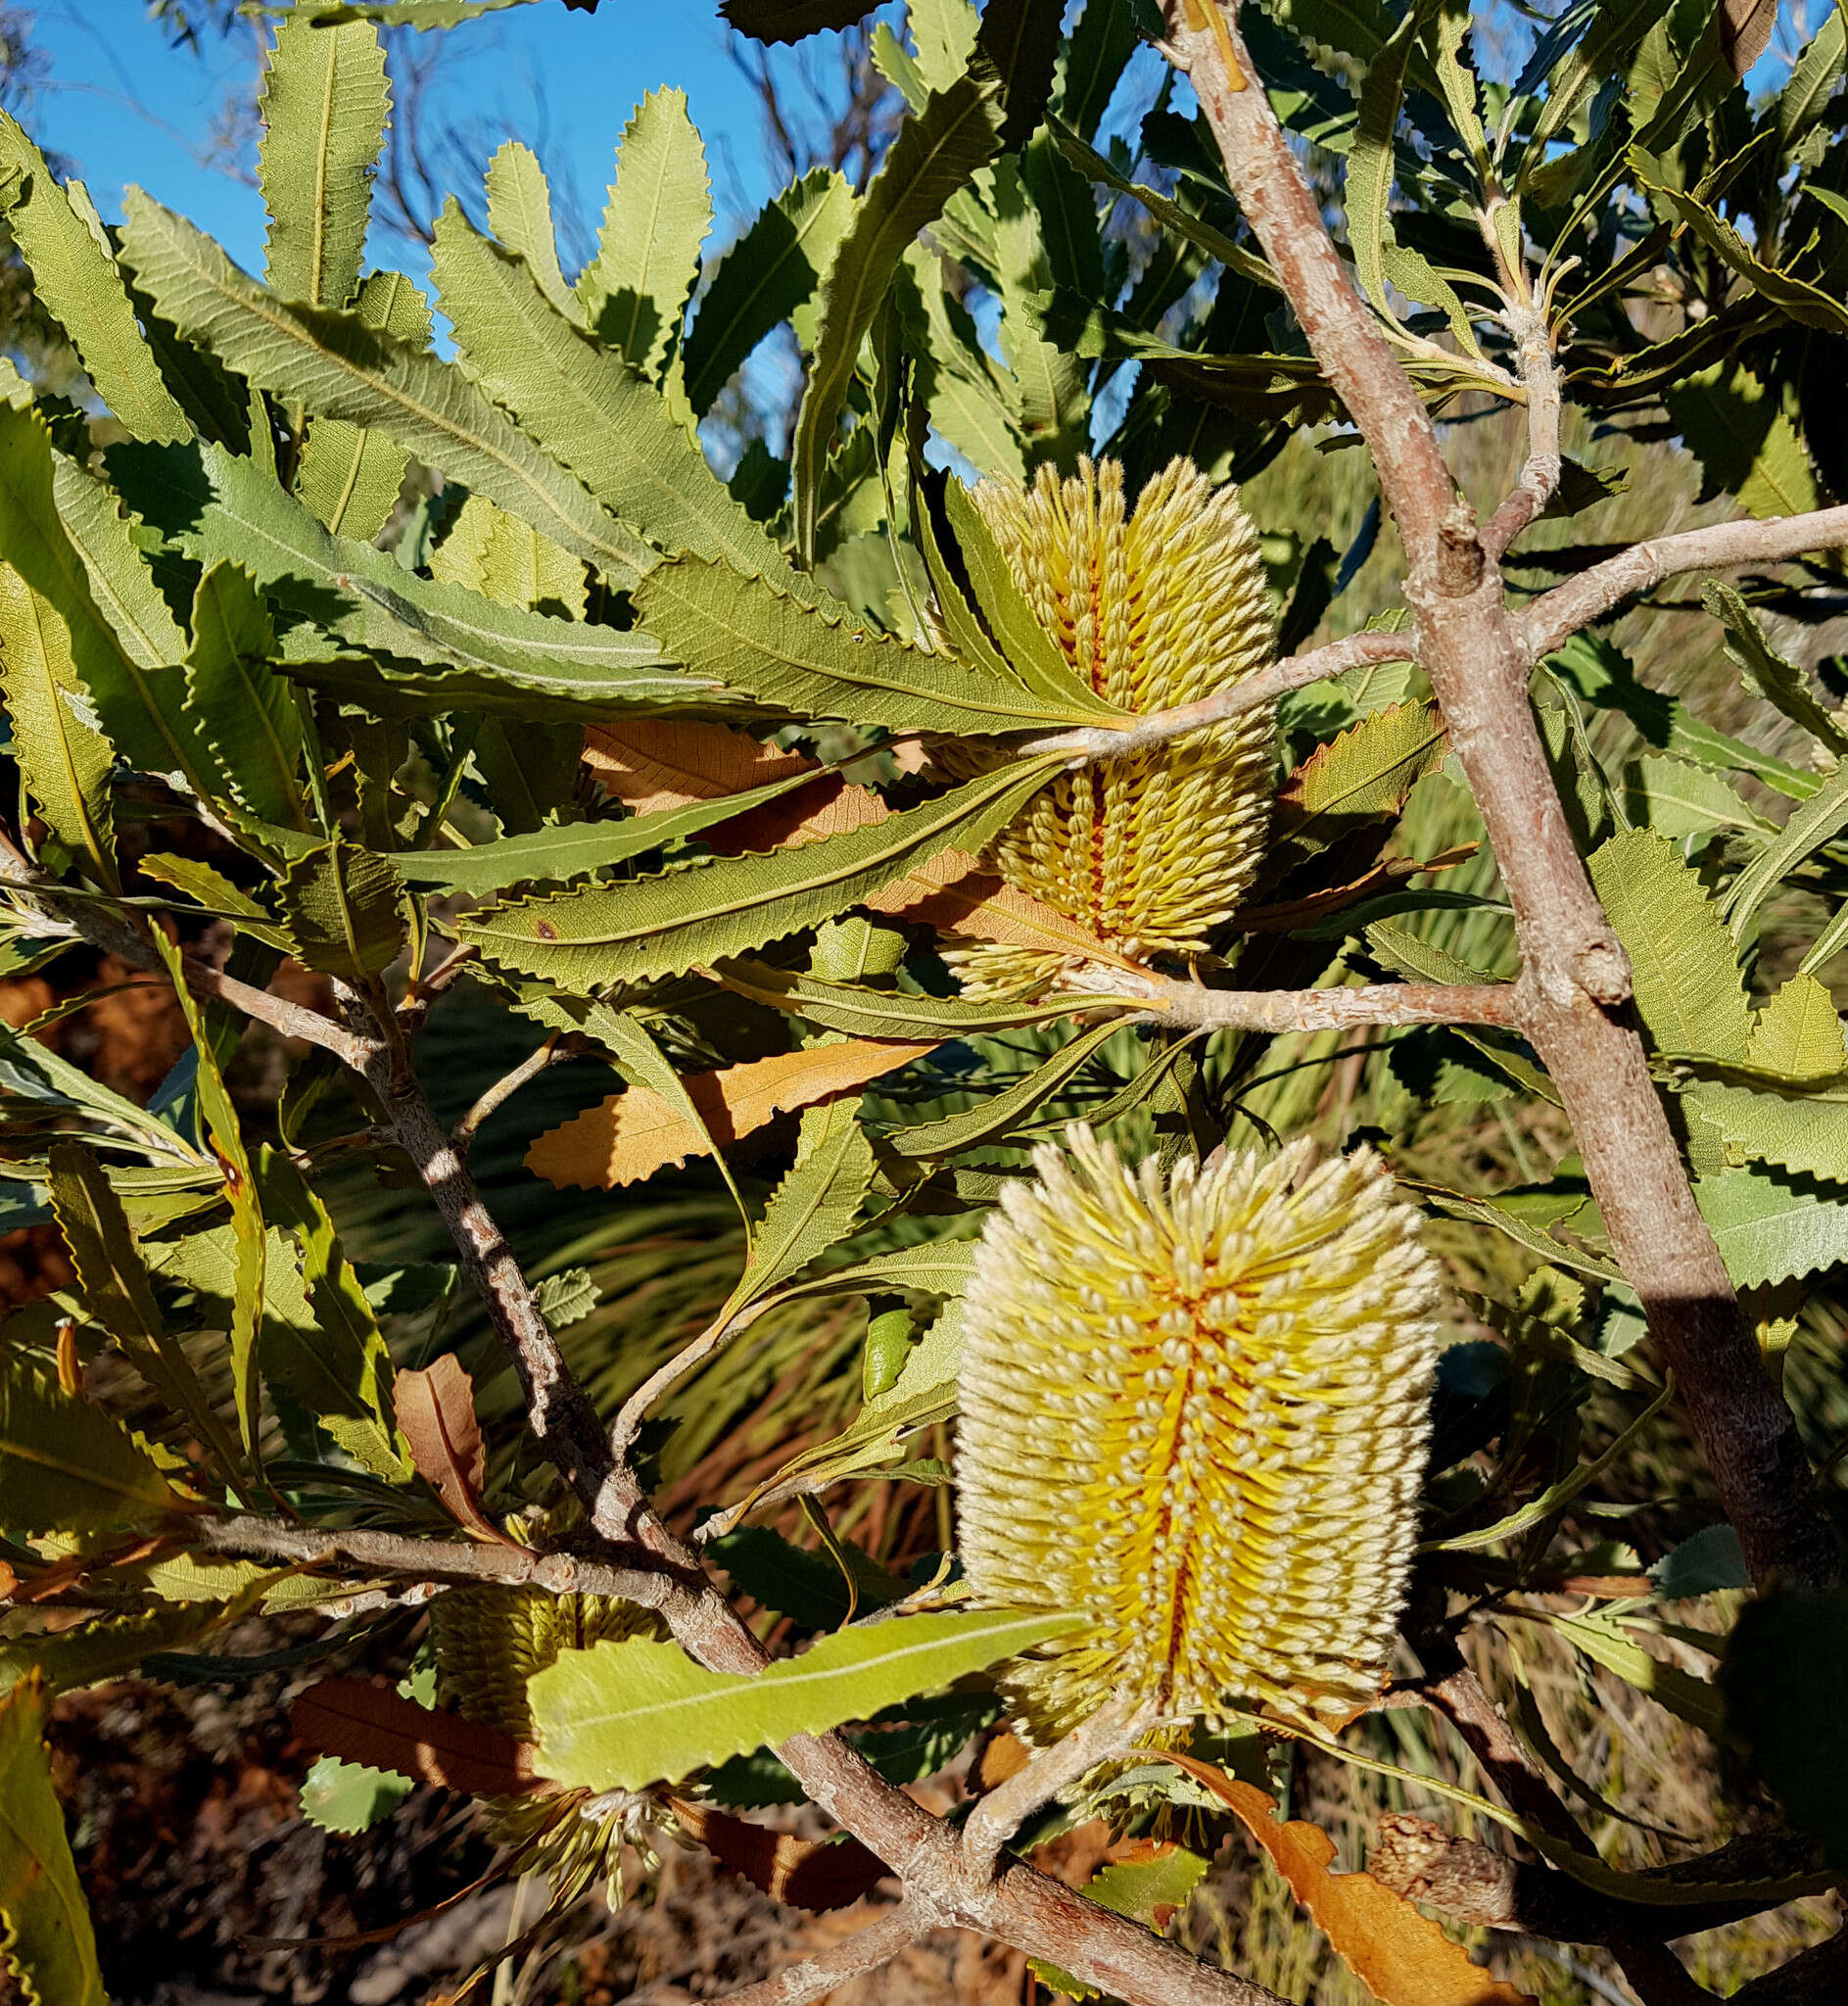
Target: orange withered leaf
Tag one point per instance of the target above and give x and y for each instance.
(373, 1725)
(1404, 1957)
(656, 763)
(952, 893)
(632, 1135)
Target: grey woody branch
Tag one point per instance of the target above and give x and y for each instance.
(1556, 616)
(1192, 1006)
(1574, 968)
(1358, 651)
(1540, 475)
(828, 1969)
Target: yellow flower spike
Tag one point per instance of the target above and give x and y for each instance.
(1152, 609)
(1196, 1406)
(488, 1640)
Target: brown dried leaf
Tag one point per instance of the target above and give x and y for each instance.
(632, 1135)
(806, 1873)
(373, 1725)
(830, 806)
(1745, 30)
(1404, 1957)
(952, 893)
(435, 1414)
(654, 763)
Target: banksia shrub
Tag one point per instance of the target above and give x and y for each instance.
(1152, 610)
(1196, 1406)
(488, 1641)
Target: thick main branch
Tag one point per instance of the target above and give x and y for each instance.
(1574, 970)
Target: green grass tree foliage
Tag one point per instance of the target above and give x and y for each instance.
(798, 806)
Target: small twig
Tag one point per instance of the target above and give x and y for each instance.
(413, 1559)
(1539, 476)
(1287, 1009)
(1108, 741)
(997, 1817)
(1556, 616)
(716, 1335)
(555, 1048)
(827, 1970)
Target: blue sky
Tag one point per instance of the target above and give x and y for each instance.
(126, 107)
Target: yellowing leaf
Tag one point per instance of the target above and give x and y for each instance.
(66, 1464)
(1797, 1032)
(632, 1135)
(1403, 1956)
(47, 1940)
(658, 763)
(630, 1713)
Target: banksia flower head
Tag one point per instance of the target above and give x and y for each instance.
(488, 1641)
(1195, 1407)
(1152, 609)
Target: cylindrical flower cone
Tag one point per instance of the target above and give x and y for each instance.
(1152, 609)
(1195, 1407)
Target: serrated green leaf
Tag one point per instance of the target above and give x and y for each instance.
(997, 1113)
(1365, 774)
(334, 365)
(110, 1648)
(1673, 798)
(630, 1713)
(1606, 1644)
(555, 855)
(764, 278)
(743, 633)
(1689, 988)
(664, 924)
(116, 1293)
(817, 1202)
(1097, 50)
(244, 710)
(349, 476)
(46, 1937)
(1371, 163)
(64, 759)
(472, 650)
(1812, 82)
(140, 710)
(789, 21)
(1747, 448)
(226, 1136)
(76, 279)
(489, 551)
(349, 1346)
(1815, 822)
(933, 156)
(587, 408)
(120, 581)
(1780, 683)
(1026, 648)
(323, 103)
(1051, 385)
(1803, 1133)
(1093, 165)
(1798, 1033)
(1770, 1228)
(519, 213)
(1603, 675)
(632, 295)
(1799, 298)
(864, 1013)
(340, 905)
(347, 1796)
(65, 1465)
(1020, 39)
(417, 14)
